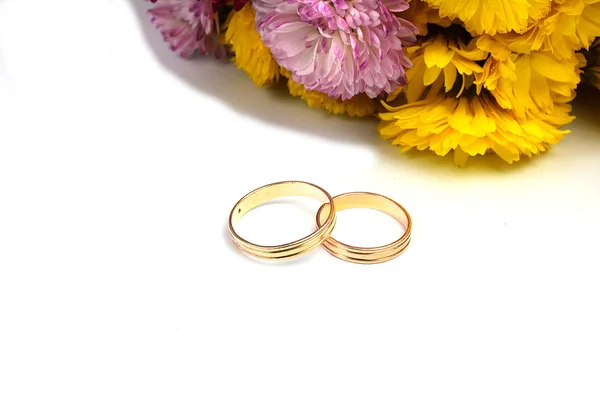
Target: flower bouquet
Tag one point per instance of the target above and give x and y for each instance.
(471, 77)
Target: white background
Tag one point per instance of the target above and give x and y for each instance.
(119, 164)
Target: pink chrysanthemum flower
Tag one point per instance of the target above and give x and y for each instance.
(338, 47)
(188, 26)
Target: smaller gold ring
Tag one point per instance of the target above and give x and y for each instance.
(273, 191)
(367, 255)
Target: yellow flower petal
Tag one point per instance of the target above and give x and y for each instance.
(358, 106)
(533, 80)
(437, 64)
(251, 55)
(430, 75)
(438, 54)
(492, 16)
(472, 126)
(449, 77)
(568, 26)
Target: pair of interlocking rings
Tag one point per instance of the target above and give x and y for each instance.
(326, 218)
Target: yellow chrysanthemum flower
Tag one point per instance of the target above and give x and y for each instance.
(472, 125)
(493, 16)
(592, 70)
(571, 25)
(575, 21)
(360, 105)
(251, 55)
(439, 63)
(525, 81)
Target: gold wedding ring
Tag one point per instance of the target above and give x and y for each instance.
(366, 255)
(326, 218)
(273, 191)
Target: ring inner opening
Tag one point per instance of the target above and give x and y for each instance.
(278, 215)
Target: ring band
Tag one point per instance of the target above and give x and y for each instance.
(367, 255)
(273, 191)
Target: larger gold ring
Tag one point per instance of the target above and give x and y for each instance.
(273, 191)
(367, 255)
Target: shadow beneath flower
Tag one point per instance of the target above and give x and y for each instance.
(585, 107)
(274, 105)
(428, 161)
(584, 139)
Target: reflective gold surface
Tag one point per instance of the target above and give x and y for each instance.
(273, 191)
(367, 255)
